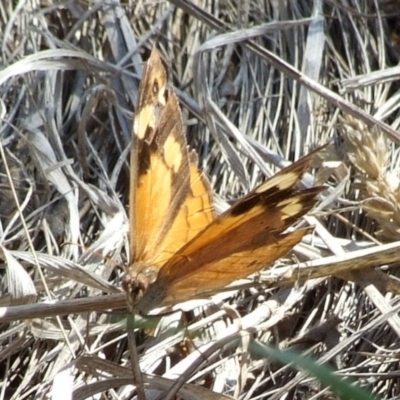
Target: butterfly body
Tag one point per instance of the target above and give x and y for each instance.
(180, 249)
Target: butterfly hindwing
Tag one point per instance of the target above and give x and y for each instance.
(239, 242)
(201, 283)
(195, 214)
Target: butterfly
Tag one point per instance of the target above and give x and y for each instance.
(180, 249)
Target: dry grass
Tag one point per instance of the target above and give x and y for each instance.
(247, 79)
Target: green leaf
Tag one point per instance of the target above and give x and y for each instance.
(342, 387)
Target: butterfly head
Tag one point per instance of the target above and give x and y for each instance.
(136, 284)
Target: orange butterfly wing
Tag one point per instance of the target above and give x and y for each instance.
(195, 213)
(247, 237)
(170, 201)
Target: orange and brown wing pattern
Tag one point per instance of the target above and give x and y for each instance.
(179, 249)
(169, 200)
(194, 215)
(241, 241)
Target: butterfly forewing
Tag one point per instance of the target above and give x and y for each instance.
(167, 206)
